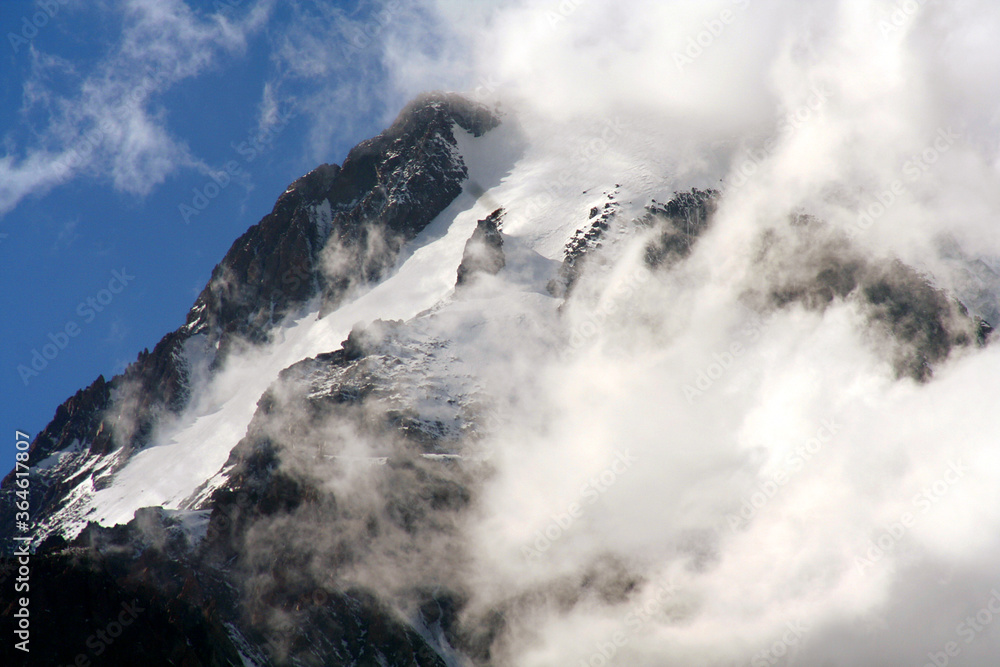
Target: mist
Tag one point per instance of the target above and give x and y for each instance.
(717, 459)
(811, 505)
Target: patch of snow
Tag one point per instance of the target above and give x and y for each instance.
(322, 217)
(547, 185)
(57, 458)
(194, 523)
(194, 447)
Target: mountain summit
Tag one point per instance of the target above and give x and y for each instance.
(323, 464)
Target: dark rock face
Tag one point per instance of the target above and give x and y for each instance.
(127, 595)
(925, 323)
(298, 549)
(584, 241)
(137, 594)
(680, 222)
(275, 576)
(337, 538)
(270, 268)
(331, 229)
(815, 266)
(335, 556)
(484, 250)
(388, 189)
(684, 218)
(107, 416)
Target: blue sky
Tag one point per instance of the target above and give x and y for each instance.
(118, 119)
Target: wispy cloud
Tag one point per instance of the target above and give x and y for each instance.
(333, 64)
(755, 79)
(67, 234)
(109, 124)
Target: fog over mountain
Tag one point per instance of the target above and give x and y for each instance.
(667, 339)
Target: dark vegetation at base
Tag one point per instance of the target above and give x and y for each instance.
(172, 615)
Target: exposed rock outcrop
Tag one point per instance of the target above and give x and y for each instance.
(483, 251)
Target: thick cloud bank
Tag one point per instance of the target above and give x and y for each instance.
(772, 491)
(764, 435)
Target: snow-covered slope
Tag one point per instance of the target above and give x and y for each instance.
(193, 446)
(183, 462)
(433, 463)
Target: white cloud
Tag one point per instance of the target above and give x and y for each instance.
(810, 106)
(109, 124)
(832, 104)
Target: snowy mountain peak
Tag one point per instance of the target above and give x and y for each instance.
(350, 451)
(335, 229)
